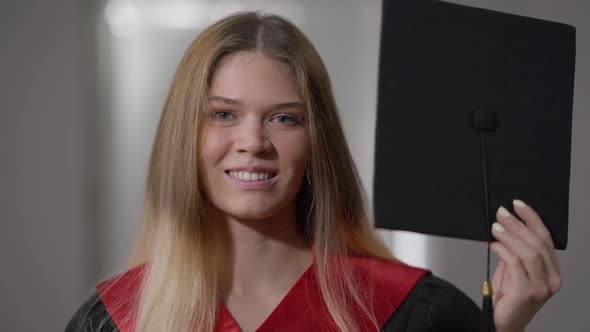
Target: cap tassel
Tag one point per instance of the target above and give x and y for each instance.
(487, 319)
(486, 121)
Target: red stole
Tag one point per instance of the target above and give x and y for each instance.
(384, 286)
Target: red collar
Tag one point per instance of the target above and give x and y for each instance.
(301, 309)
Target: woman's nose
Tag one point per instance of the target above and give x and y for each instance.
(252, 138)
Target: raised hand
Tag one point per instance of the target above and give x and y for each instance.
(528, 272)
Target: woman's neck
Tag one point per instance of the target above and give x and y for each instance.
(262, 256)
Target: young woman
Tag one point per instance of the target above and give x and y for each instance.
(254, 215)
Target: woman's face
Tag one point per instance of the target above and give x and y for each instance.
(254, 143)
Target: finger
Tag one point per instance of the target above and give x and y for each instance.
(535, 224)
(498, 279)
(531, 260)
(521, 230)
(520, 286)
(498, 276)
(512, 263)
(533, 221)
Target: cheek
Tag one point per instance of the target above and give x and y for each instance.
(294, 153)
(213, 147)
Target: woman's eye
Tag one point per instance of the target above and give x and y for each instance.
(223, 115)
(285, 119)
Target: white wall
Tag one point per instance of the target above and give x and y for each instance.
(45, 110)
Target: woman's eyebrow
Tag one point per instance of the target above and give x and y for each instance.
(224, 100)
(279, 106)
(294, 104)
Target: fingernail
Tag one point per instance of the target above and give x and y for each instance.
(518, 202)
(497, 227)
(503, 212)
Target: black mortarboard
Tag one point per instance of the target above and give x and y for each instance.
(446, 69)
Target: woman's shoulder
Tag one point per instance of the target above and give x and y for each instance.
(112, 295)
(387, 272)
(92, 316)
(416, 300)
(435, 305)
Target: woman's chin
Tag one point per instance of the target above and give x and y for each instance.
(251, 214)
(259, 208)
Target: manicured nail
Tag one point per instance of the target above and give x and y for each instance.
(497, 227)
(503, 212)
(518, 202)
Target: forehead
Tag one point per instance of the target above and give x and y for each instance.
(253, 77)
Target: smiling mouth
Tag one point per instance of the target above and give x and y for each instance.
(251, 176)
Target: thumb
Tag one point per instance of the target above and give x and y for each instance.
(498, 278)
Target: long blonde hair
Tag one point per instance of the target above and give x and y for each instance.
(180, 287)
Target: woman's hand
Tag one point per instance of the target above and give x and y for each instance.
(528, 272)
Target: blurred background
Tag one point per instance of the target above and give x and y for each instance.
(82, 87)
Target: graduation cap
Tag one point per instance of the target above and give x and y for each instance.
(474, 110)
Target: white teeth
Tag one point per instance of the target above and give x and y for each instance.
(250, 176)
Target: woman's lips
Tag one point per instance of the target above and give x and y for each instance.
(252, 184)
